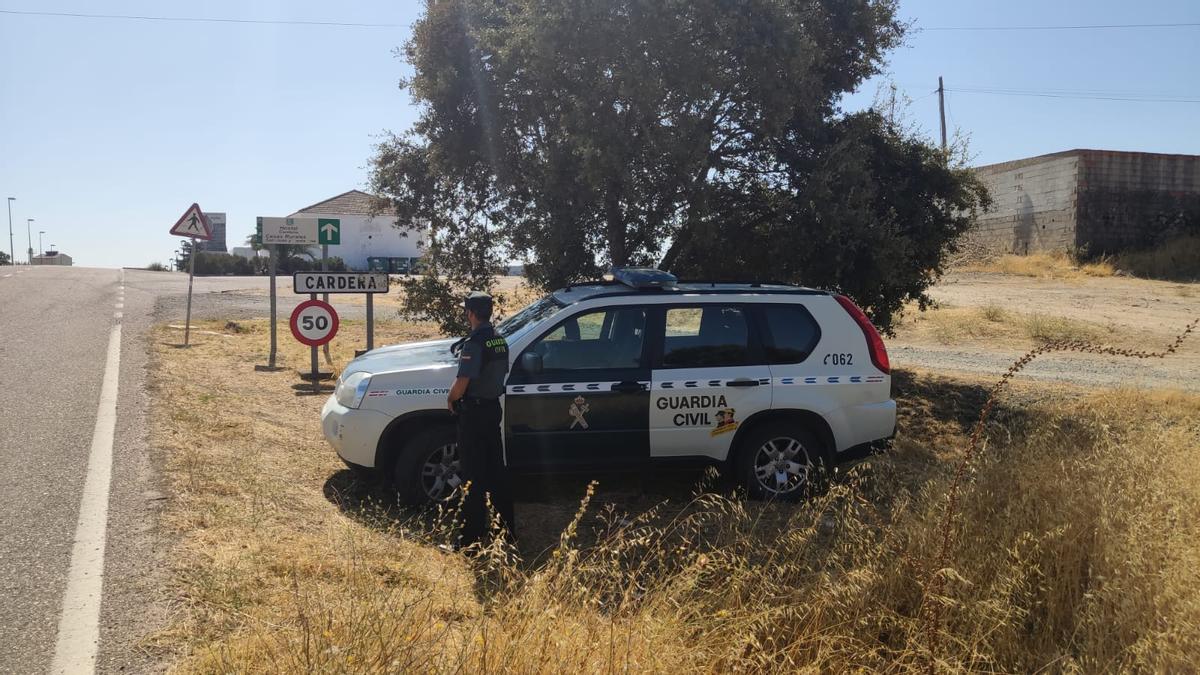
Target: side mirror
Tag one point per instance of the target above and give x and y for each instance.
(531, 362)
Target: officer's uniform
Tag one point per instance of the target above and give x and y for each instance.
(483, 359)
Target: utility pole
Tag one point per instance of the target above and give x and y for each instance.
(942, 110)
(29, 238)
(12, 252)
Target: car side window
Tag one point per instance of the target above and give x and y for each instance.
(792, 333)
(602, 339)
(708, 336)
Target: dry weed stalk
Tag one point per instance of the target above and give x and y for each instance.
(937, 570)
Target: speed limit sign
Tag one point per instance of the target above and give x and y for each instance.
(314, 322)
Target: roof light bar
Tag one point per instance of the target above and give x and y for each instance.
(643, 278)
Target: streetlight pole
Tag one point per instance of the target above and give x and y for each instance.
(40, 249)
(28, 222)
(12, 252)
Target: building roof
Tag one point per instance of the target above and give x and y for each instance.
(1077, 152)
(352, 203)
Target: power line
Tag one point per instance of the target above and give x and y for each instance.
(1080, 27)
(198, 19)
(1087, 97)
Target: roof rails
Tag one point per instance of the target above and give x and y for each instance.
(753, 283)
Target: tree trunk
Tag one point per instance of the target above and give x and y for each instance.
(617, 252)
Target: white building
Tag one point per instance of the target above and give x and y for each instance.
(52, 258)
(368, 241)
(247, 252)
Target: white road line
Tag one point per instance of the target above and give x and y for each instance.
(120, 305)
(7, 276)
(79, 625)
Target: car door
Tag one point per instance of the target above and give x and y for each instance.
(708, 375)
(579, 394)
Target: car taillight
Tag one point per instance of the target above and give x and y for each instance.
(874, 343)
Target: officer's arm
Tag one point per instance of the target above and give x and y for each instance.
(457, 390)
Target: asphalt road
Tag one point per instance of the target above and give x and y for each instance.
(55, 327)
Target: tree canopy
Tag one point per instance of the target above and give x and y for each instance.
(701, 136)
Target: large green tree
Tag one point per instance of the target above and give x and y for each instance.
(703, 136)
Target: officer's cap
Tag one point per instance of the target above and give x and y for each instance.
(478, 302)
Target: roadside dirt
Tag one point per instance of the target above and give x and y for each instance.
(1118, 311)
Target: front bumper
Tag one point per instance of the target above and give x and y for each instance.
(353, 433)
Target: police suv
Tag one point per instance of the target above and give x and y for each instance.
(772, 381)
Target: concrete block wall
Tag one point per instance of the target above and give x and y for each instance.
(1130, 199)
(1033, 205)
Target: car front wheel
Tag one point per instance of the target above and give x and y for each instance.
(781, 460)
(428, 469)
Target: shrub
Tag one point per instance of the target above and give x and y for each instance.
(1175, 260)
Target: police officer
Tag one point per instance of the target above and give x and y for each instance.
(475, 399)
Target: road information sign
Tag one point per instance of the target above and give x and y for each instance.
(340, 282)
(329, 230)
(288, 230)
(193, 224)
(314, 322)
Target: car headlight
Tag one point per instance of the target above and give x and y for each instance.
(351, 390)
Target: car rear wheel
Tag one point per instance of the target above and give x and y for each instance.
(428, 469)
(782, 460)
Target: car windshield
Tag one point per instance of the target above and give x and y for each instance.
(531, 315)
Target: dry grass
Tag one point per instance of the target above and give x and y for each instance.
(1046, 265)
(1077, 547)
(1176, 260)
(1000, 326)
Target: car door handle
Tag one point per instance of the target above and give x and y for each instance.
(742, 382)
(628, 387)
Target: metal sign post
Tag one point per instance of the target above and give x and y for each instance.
(370, 322)
(270, 232)
(316, 371)
(329, 231)
(187, 324)
(193, 224)
(314, 323)
(274, 341)
(325, 297)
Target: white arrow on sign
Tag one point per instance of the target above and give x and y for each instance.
(329, 229)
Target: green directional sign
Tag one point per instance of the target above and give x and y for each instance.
(329, 231)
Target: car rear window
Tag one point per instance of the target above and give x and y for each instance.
(792, 333)
(706, 337)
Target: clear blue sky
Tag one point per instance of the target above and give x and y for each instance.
(110, 128)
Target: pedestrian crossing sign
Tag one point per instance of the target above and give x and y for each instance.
(193, 224)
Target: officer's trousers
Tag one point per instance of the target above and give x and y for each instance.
(480, 452)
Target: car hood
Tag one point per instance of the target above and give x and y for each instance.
(411, 356)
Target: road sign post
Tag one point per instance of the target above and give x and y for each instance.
(270, 231)
(314, 323)
(187, 322)
(274, 307)
(329, 232)
(325, 297)
(194, 225)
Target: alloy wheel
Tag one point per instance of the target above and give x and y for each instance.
(782, 465)
(441, 473)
